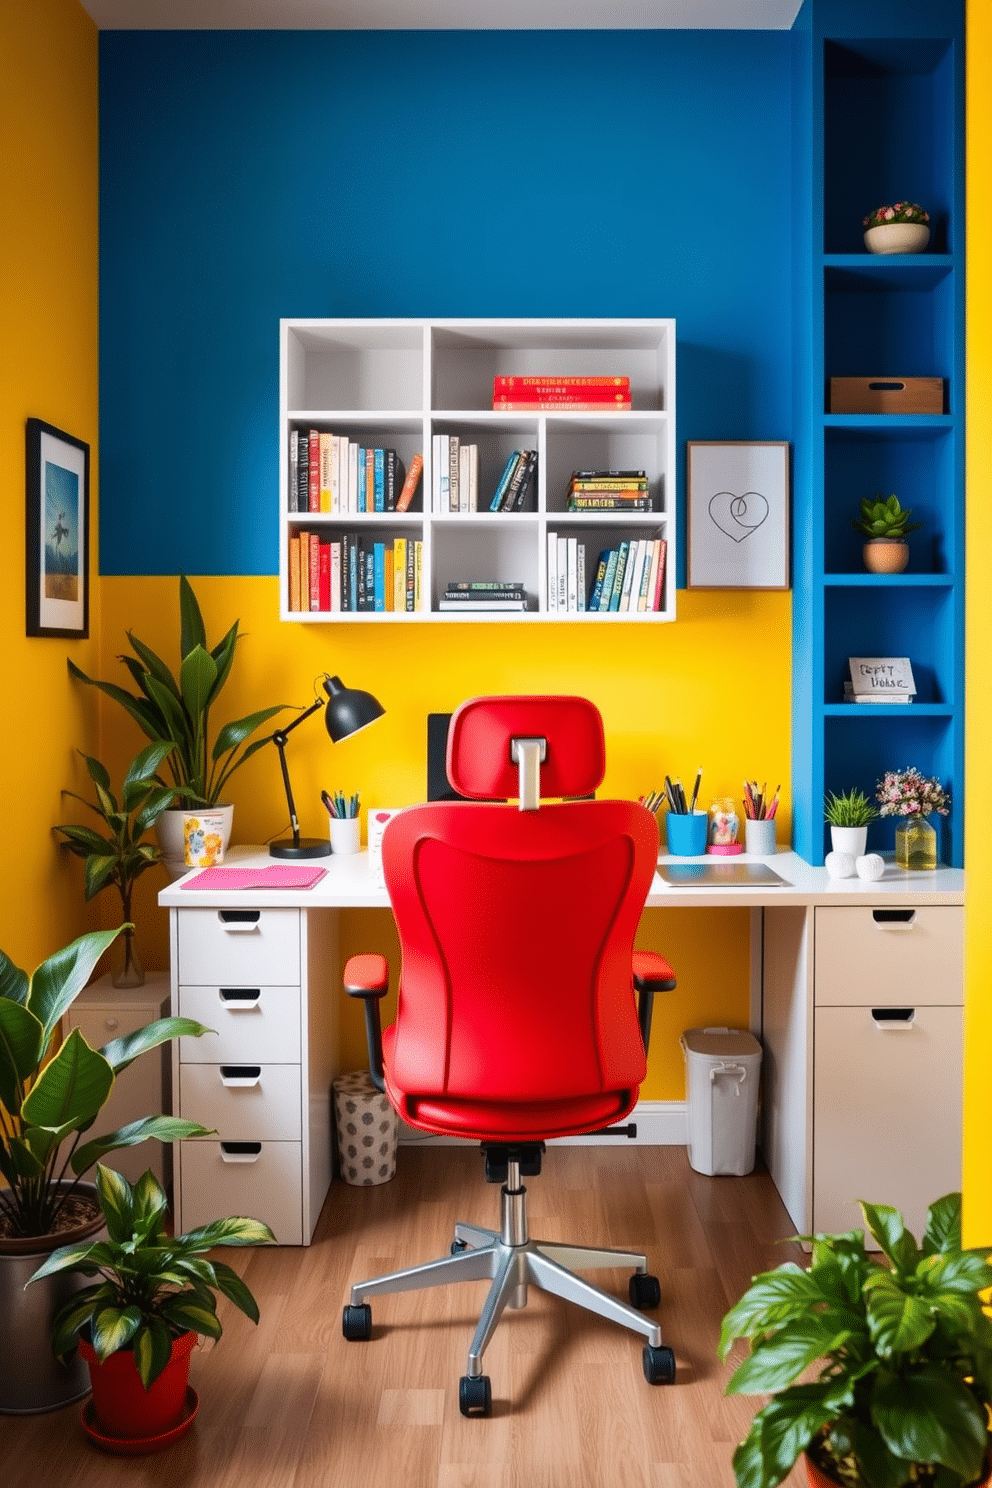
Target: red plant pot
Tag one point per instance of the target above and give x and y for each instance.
(122, 1404)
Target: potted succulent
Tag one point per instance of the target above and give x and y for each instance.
(155, 1293)
(849, 816)
(903, 227)
(886, 525)
(913, 797)
(50, 1102)
(175, 709)
(904, 1347)
(120, 857)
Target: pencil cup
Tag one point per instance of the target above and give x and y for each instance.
(759, 836)
(345, 834)
(686, 835)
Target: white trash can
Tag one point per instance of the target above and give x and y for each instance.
(367, 1129)
(723, 1066)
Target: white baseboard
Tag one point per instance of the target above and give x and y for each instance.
(659, 1124)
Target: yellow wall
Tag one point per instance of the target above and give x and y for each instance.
(672, 697)
(48, 369)
(978, 911)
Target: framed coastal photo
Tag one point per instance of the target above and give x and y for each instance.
(737, 498)
(58, 519)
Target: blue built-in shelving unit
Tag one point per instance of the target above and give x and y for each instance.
(879, 100)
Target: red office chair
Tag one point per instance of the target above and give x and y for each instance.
(516, 1019)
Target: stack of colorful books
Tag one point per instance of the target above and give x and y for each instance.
(469, 596)
(608, 490)
(561, 394)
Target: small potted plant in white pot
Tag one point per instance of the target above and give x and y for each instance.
(849, 815)
(137, 1323)
(885, 525)
(903, 227)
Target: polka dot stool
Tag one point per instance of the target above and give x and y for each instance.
(367, 1128)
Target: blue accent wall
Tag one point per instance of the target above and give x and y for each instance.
(246, 176)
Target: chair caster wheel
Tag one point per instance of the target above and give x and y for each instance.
(475, 1397)
(356, 1322)
(645, 1291)
(457, 1246)
(659, 1365)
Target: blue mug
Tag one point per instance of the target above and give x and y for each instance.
(686, 835)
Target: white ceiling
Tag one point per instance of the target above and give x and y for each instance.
(439, 15)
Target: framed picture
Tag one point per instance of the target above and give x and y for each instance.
(737, 497)
(58, 523)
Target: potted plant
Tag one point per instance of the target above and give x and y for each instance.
(121, 857)
(905, 1353)
(913, 797)
(175, 709)
(849, 816)
(156, 1293)
(886, 526)
(903, 227)
(51, 1100)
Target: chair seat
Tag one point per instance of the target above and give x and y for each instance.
(502, 1121)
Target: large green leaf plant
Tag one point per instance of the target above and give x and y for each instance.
(48, 1105)
(905, 1348)
(175, 709)
(153, 1286)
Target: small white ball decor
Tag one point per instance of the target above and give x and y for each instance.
(839, 865)
(870, 867)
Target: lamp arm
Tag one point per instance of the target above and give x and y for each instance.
(279, 740)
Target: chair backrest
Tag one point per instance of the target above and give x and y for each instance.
(517, 926)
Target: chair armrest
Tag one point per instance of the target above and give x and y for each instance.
(367, 977)
(652, 974)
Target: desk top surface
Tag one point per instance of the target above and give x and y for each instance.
(348, 884)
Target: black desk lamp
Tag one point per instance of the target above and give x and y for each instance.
(346, 711)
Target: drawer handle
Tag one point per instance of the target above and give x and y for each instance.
(240, 1152)
(893, 1019)
(241, 921)
(239, 998)
(905, 917)
(240, 1075)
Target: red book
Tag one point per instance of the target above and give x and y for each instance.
(324, 577)
(314, 470)
(659, 583)
(314, 571)
(515, 385)
(411, 483)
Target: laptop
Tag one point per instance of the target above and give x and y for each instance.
(722, 875)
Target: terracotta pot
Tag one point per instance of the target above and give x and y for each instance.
(884, 555)
(31, 1378)
(122, 1404)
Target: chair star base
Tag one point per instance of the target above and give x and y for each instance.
(513, 1262)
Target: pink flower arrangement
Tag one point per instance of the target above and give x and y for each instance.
(898, 212)
(908, 793)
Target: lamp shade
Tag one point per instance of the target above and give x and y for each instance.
(348, 709)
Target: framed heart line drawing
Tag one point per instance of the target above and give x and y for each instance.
(737, 514)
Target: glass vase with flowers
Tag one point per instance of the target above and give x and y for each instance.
(914, 797)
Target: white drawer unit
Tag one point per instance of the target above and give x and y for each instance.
(262, 1180)
(862, 1027)
(261, 1080)
(103, 1012)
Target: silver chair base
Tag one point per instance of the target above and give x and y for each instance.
(512, 1261)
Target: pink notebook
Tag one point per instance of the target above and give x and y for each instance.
(277, 876)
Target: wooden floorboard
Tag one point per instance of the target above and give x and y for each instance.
(291, 1404)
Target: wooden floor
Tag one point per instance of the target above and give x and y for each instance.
(291, 1404)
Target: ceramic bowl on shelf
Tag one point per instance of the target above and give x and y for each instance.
(897, 237)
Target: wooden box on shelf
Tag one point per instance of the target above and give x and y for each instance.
(886, 395)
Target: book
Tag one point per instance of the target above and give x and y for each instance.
(335, 575)
(354, 451)
(314, 571)
(325, 447)
(606, 593)
(512, 383)
(504, 480)
(379, 479)
(552, 572)
(294, 468)
(313, 497)
(399, 573)
(409, 489)
(571, 574)
(394, 478)
(623, 552)
(580, 576)
(632, 567)
(597, 475)
(600, 575)
(659, 583)
(608, 503)
(303, 473)
(562, 573)
(293, 563)
(453, 458)
(324, 576)
(493, 606)
(850, 696)
(565, 405)
(516, 490)
(881, 676)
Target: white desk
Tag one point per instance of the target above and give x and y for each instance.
(844, 1094)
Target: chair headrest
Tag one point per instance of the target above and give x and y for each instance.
(480, 763)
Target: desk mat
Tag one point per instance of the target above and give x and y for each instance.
(274, 877)
(719, 875)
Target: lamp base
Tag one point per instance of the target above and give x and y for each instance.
(307, 847)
